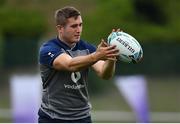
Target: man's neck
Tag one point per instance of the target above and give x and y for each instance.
(71, 45)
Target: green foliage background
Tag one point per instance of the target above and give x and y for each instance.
(100, 16)
(123, 14)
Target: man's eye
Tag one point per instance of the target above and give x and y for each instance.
(74, 26)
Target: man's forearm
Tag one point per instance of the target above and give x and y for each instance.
(108, 69)
(80, 62)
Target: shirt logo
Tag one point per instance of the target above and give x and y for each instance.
(50, 54)
(75, 76)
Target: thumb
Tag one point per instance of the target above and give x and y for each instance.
(103, 42)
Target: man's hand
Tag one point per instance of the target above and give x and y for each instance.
(109, 53)
(116, 30)
(106, 52)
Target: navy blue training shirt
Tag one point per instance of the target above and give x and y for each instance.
(65, 95)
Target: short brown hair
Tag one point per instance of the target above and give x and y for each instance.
(61, 15)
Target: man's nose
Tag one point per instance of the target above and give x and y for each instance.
(79, 29)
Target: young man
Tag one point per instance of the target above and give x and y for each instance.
(64, 63)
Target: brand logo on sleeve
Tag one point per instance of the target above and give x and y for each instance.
(50, 54)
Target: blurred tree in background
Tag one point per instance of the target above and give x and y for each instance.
(21, 31)
(154, 23)
(2, 2)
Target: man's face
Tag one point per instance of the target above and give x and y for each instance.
(71, 32)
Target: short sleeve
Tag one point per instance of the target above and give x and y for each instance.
(48, 53)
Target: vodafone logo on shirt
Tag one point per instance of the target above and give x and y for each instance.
(75, 76)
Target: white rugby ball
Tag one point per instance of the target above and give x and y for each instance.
(129, 48)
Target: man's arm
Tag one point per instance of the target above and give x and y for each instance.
(105, 69)
(66, 62)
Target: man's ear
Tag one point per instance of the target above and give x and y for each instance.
(59, 28)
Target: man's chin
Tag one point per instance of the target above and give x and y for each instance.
(77, 40)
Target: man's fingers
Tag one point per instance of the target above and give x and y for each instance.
(118, 30)
(101, 43)
(102, 40)
(113, 52)
(111, 47)
(113, 30)
(113, 59)
(104, 43)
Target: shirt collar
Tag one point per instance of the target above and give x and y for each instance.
(64, 45)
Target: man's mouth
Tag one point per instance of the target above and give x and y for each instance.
(77, 36)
